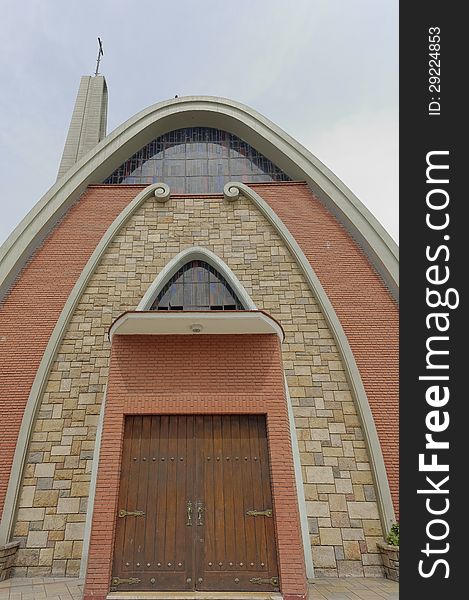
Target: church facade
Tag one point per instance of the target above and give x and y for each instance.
(198, 346)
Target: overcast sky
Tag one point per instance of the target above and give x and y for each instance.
(325, 71)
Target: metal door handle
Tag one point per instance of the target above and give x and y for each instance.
(200, 513)
(189, 514)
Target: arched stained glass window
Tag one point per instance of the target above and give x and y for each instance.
(197, 160)
(197, 286)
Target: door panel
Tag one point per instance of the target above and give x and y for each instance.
(215, 466)
(238, 549)
(155, 551)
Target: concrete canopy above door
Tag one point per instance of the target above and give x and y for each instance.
(196, 323)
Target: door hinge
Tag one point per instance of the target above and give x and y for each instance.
(260, 513)
(130, 581)
(262, 580)
(131, 513)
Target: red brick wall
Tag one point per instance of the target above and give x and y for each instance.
(31, 309)
(196, 374)
(363, 305)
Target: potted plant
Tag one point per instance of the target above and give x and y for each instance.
(390, 553)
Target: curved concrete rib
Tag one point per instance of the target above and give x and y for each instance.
(232, 192)
(206, 111)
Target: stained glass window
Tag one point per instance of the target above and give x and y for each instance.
(197, 160)
(197, 286)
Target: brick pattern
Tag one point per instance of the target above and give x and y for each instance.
(31, 309)
(232, 374)
(341, 506)
(365, 308)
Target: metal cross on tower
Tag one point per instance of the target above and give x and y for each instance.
(100, 53)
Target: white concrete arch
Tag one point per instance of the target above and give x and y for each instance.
(195, 253)
(206, 111)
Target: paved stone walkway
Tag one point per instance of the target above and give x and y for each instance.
(354, 588)
(42, 588)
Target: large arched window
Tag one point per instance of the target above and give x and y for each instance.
(197, 286)
(197, 160)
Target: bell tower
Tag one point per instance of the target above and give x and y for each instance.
(88, 123)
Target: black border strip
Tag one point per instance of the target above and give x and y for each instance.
(434, 392)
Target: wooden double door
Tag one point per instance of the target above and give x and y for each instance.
(195, 505)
